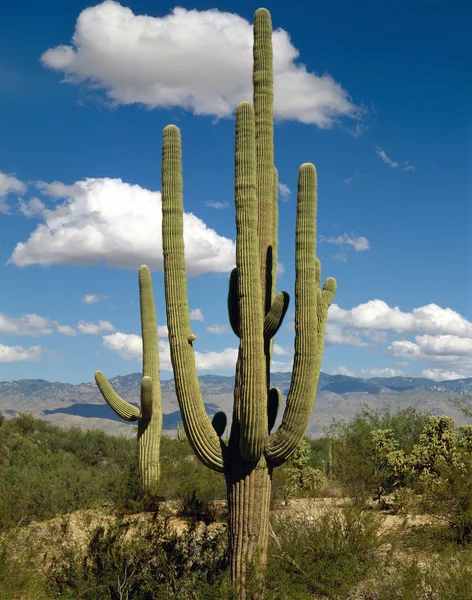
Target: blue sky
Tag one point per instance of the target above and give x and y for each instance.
(376, 95)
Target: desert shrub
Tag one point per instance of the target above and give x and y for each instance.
(325, 556)
(303, 480)
(354, 465)
(142, 561)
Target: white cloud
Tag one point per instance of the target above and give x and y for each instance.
(36, 326)
(92, 298)
(30, 324)
(337, 334)
(359, 243)
(284, 192)
(8, 185)
(278, 350)
(31, 208)
(129, 347)
(439, 375)
(87, 328)
(217, 205)
(107, 220)
(196, 314)
(391, 163)
(368, 373)
(162, 331)
(66, 330)
(449, 354)
(341, 370)
(10, 354)
(197, 60)
(56, 189)
(377, 314)
(217, 329)
(280, 269)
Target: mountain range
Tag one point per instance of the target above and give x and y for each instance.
(339, 397)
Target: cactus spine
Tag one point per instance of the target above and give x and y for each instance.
(149, 416)
(255, 314)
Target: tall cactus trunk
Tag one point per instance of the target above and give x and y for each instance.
(256, 313)
(149, 437)
(248, 490)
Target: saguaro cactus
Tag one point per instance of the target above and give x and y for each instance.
(255, 313)
(149, 416)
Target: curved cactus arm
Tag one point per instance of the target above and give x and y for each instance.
(311, 308)
(274, 318)
(250, 391)
(146, 397)
(123, 409)
(273, 404)
(197, 424)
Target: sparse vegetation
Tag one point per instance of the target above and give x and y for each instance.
(72, 526)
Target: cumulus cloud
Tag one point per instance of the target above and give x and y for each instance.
(359, 243)
(8, 185)
(428, 319)
(284, 191)
(87, 328)
(217, 329)
(449, 354)
(405, 166)
(337, 334)
(217, 205)
(342, 370)
(110, 221)
(31, 208)
(196, 314)
(37, 326)
(368, 373)
(200, 61)
(439, 375)
(10, 354)
(162, 331)
(129, 347)
(92, 298)
(278, 350)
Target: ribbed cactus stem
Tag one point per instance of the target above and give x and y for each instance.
(198, 428)
(264, 121)
(311, 308)
(256, 313)
(250, 392)
(149, 416)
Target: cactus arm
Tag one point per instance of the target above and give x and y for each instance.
(123, 409)
(250, 390)
(275, 316)
(311, 308)
(273, 319)
(198, 428)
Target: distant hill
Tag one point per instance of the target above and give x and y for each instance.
(339, 397)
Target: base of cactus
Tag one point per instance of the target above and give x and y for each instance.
(248, 489)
